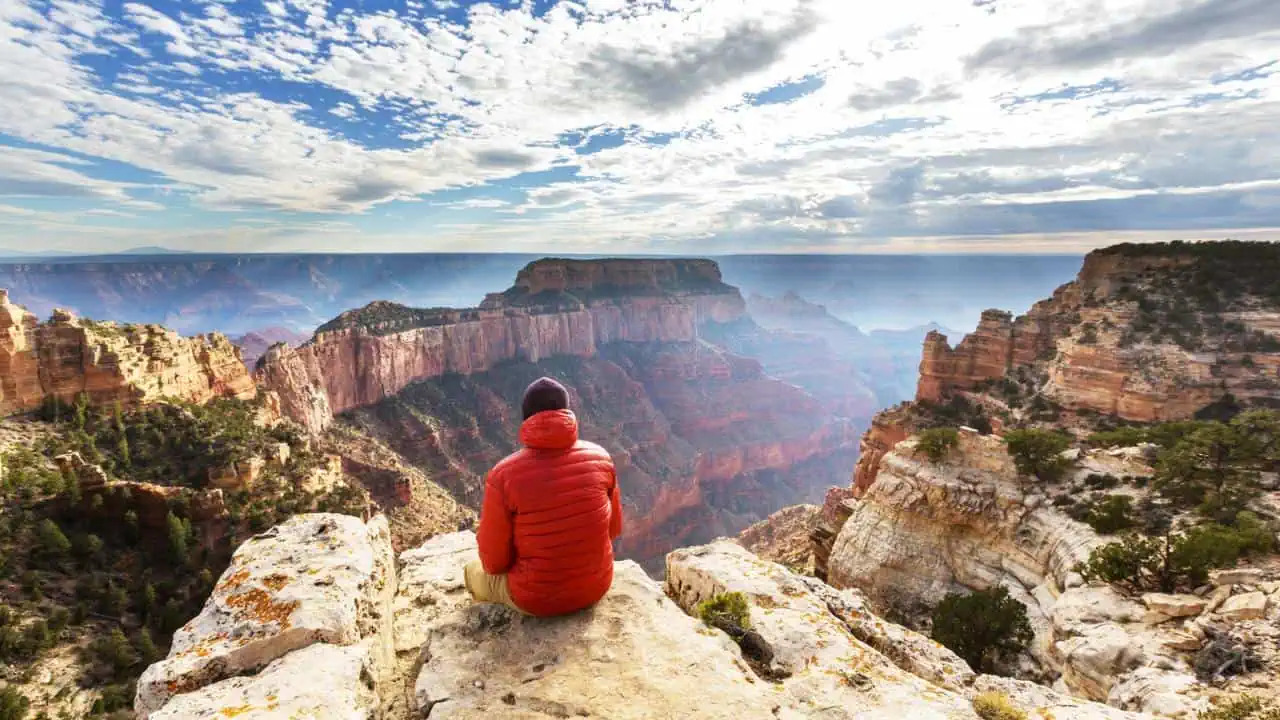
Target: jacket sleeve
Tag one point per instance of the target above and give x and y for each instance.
(495, 538)
(615, 507)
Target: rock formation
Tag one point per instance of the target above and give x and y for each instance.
(705, 440)
(313, 619)
(783, 537)
(1145, 333)
(705, 443)
(924, 529)
(557, 307)
(110, 363)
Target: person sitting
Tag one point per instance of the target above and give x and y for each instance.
(551, 511)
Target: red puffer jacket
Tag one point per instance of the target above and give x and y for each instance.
(550, 513)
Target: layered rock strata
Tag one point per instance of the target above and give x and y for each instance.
(109, 363)
(634, 655)
(1145, 337)
(924, 529)
(705, 443)
(321, 584)
(557, 307)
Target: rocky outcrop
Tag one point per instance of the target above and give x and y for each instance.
(110, 363)
(309, 593)
(1143, 333)
(923, 530)
(887, 430)
(783, 537)
(106, 500)
(301, 625)
(557, 307)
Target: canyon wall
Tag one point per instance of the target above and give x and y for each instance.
(704, 441)
(557, 307)
(1145, 333)
(110, 363)
(1145, 336)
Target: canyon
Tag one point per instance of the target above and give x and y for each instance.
(1144, 333)
(706, 441)
(109, 363)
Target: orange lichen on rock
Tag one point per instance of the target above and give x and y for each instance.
(261, 606)
(276, 581)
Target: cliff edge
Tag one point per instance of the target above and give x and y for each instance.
(313, 619)
(1145, 333)
(556, 307)
(109, 363)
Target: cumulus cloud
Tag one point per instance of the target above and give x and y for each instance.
(644, 124)
(1163, 29)
(668, 78)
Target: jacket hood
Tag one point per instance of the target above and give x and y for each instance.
(550, 430)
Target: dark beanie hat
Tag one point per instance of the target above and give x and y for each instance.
(544, 394)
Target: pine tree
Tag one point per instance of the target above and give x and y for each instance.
(178, 538)
(147, 650)
(53, 543)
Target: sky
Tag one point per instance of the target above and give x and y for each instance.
(664, 126)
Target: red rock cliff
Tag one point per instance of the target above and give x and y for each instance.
(1145, 334)
(110, 363)
(557, 307)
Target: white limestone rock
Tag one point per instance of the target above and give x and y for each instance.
(634, 656)
(1237, 576)
(1159, 692)
(813, 647)
(318, 578)
(1247, 606)
(323, 682)
(1174, 605)
(1039, 701)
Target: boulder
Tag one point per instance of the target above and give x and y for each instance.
(319, 578)
(321, 682)
(1248, 606)
(1038, 701)
(1174, 606)
(634, 655)
(803, 621)
(1237, 576)
(1182, 640)
(1217, 597)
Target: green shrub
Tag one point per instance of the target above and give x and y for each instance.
(1178, 560)
(1245, 707)
(1038, 452)
(996, 706)
(937, 443)
(1112, 515)
(13, 705)
(727, 611)
(1127, 562)
(983, 627)
(1214, 466)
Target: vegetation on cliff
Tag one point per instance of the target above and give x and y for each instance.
(107, 571)
(1210, 467)
(384, 318)
(986, 628)
(937, 443)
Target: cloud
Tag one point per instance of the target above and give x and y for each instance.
(671, 77)
(1186, 25)
(641, 124)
